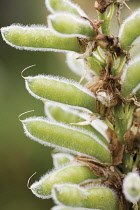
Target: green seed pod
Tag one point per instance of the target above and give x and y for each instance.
(75, 196)
(66, 115)
(130, 78)
(70, 174)
(78, 67)
(74, 140)
(60, 90)
(131, 187)
(70, 208)
(38, 38)
(70, 25)
(60, 159)
(57, 6)
(129, 30)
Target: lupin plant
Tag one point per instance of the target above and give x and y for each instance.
(94, 127)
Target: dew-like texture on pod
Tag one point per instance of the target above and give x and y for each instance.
(60, 90)
(66, 115)
(57, 6)
(98, 197)
(38, 38)
(130, 29)
(75, 140)
(131, 78)
(69, 174)
(70, 25)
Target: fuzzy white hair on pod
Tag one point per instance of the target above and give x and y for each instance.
(59, 187)
(131, 17)
(41, 27)
(79, 10)
(36, 185)
(27, 133)
(133, 61)
(76, 20)
(98, 124)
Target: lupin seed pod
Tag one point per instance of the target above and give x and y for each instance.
(74, 140)
(70, 174)
(70, 25)
(130, 79)
(70, 208)
(61, 91)
(57, 6)
(129, 30)
(94, 197)
(60, 159)
(131, 187)
(38, 38)
(66, 115)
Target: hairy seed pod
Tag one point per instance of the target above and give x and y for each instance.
(130, 79)
(94, 197)
(129, 30)
(66, 115)
(38, 38)
(70, 25)
(70, 174)
(74, 140)
(60, 90)
(57, 6)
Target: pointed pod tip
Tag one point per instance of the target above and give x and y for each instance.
(19, 117)
(28, 67)
(29, 181)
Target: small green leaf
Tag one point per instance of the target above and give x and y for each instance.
(60, 90)
(93, 197)
(130, 29)
(71, 25)
(66, 115)
(63, 136)
(70, 174)
(57, 6)
(38, 38)
(131, 79)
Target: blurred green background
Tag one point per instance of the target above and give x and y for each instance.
(20, 157)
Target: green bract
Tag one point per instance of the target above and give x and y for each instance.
(70, 25)
(75, 140)
(38, 38)
(94, 197)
